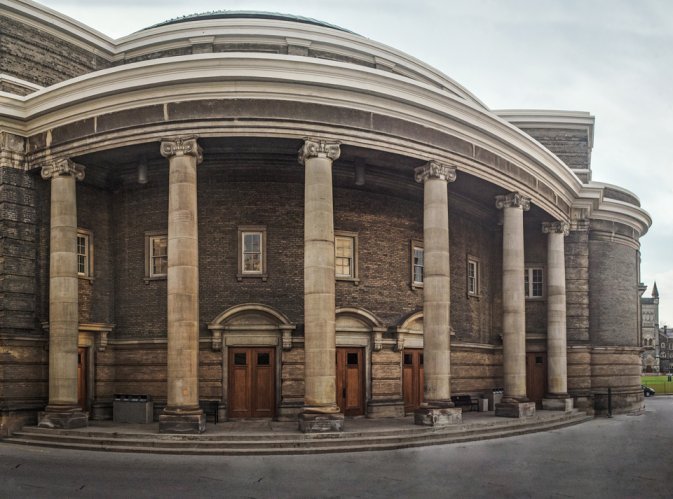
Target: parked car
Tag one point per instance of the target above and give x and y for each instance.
(647, 391)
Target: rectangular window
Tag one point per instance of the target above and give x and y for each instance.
(84, 253)
(252, 252)
(472, 276)
(345, 256)
(417, 264)
(156, 255)
(534, 282)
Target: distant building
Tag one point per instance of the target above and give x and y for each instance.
(650, 329)
(665, 349)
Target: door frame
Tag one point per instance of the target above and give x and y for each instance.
(363, 380)
(545, 375)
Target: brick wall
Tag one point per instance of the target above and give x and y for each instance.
(38, 57)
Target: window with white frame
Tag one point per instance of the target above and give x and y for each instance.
(156, 255)
(252, 252)
(345, 256)
(84, 253)
(417, 264)
(473, 272)
(534, 282)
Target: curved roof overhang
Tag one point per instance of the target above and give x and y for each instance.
(393, 113)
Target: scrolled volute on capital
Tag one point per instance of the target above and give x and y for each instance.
(62, 167)
(435, 170)
(512, 200)
(182, 146)
(318, 149)
(556, 227)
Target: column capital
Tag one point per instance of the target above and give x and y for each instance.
(512, 200)
(557, 227)
(62, 167)
(435, 169)
(181, 146)
(314, 148)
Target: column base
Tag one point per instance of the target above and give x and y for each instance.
(438, 415)
(515, 409)
(172, 421)
(557, 404)
(64, 417)
(314, 422)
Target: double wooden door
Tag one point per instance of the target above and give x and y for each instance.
(412, 378)
(350, 381)
(252, 386)
(536, 377)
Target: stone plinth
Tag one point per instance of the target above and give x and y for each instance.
(385, 409)
(321, 423)
(182, 423)
(515, 409)
(438, 416)
(62, 417)
(557, 404)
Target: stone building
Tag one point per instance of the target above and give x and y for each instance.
(650, 329)
(298, 222)
(665, 349)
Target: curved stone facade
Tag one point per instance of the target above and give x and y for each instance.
(293, 208)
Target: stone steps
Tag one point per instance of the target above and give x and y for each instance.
(285, 443)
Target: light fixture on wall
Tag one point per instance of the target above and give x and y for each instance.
(142, 170)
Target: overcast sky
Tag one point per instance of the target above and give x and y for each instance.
(613, 58)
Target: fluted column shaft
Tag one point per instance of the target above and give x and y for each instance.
(63, 296)
(556, 309)
(436, 282)
(184, 154)
(513, 298)
(319, 278)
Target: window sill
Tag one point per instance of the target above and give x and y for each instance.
(474, 296)
(354, 280)
(154, 278)
(536, 298)
(416, 285)
(263, 277)
(85, 278)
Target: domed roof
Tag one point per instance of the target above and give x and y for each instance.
(248, 14)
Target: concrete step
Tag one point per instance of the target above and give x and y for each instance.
(297, 444)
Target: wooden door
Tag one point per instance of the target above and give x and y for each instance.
(536, 377)
(412, 378)
(350, 381)
(82, 374)
(251, 384)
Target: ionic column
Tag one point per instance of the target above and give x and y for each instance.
(437, 408)
(63, 410)
(514, 402)
(320, 412)
(557, 374)
(182, 413)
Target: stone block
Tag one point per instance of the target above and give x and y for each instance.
(385, 409)
(320, 423)
(431, 416)
(66, 419)
(515, 409)
(182, 423)
(557, 404)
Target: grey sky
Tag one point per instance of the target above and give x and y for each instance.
(613, 58)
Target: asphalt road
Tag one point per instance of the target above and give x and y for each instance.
(627, 456)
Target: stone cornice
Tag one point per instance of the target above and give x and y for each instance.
(315, 148)
(556, 227)
(62, 167)
(435, 170)
(182, 146)
(512, 200)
